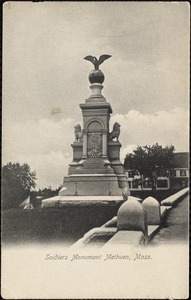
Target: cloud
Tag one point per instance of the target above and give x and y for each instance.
(44, 145)
(127, 149)
(162, 127)
(41, 136)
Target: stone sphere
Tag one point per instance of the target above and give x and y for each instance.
(96, 76)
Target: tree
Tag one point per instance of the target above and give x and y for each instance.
(17, 182)
(151, 161)
(46, 192)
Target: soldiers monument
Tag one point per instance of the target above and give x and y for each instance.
(96, 172)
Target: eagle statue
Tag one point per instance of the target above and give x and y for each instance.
(96, 62)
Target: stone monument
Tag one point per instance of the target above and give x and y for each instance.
(96, 172)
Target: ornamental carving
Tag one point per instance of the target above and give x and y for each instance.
(94, 145)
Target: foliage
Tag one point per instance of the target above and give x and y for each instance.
(17, 182)
(151, 161)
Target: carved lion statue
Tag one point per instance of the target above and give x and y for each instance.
(115, 132)
(78, 133)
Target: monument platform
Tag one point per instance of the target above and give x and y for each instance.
(61, 201)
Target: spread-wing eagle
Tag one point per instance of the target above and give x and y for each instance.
(96, 62)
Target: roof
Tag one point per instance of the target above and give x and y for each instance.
(181, 159)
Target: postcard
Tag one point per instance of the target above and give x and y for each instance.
(95, 150)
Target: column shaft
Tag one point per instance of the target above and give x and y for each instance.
(85, 138)
(104, 149)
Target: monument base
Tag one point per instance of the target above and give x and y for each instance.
(91, 185)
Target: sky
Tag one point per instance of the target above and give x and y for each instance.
(45, 77)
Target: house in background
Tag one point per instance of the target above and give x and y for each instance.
(175, 179)
(180, 175)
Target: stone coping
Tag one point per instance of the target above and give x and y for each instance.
(164, 209)
(152, 229)
(84, 198)
(126, 238)
(95, 232)
(173, 199)
(59, 201)
(111, 223)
